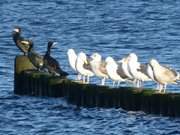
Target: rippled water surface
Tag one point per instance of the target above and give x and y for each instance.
(111, 27)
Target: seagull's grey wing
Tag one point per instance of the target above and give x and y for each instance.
(87, 65)
(150, 72)
(120, 71)
(143, 68)
(174, 72)
(102, 67)
(171, 73)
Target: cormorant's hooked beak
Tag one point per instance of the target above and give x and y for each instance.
(54, 45)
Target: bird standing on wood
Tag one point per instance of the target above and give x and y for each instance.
(72, 57)
(137, 70)
(99, 67)
(21, 43)
(51, 63)
(163, 75)
(35, 58)
(114, 71)
(83, 67)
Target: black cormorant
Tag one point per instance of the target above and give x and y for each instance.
(35, 58)
(51, 63)
(21, 43)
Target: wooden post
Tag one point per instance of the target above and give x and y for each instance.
(22, 63)
(28, 81)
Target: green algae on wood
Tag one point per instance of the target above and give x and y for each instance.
(22, 63)
(29, 81)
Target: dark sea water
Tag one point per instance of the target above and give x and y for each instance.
(114, 28)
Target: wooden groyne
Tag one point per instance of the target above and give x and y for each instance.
(28, 81)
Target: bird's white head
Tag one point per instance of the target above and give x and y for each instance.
(124, 60)
(17, 30)
(153, 62)
(54, 44)
(71, 52)
(109, 59)
(96, 57)
(133, 56)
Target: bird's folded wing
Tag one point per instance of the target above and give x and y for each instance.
(120, 71)
(102, 67)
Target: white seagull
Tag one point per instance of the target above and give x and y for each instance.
(124, 65)
(83, 67)
(124, 61)
(114, 71)
(163, 75)
(99, 67)
(150, 74)
(137, 70)
(72, 57)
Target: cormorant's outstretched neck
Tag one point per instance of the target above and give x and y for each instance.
(52, 64)
(21, 43)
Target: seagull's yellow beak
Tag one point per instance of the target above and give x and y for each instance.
(86, 62)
